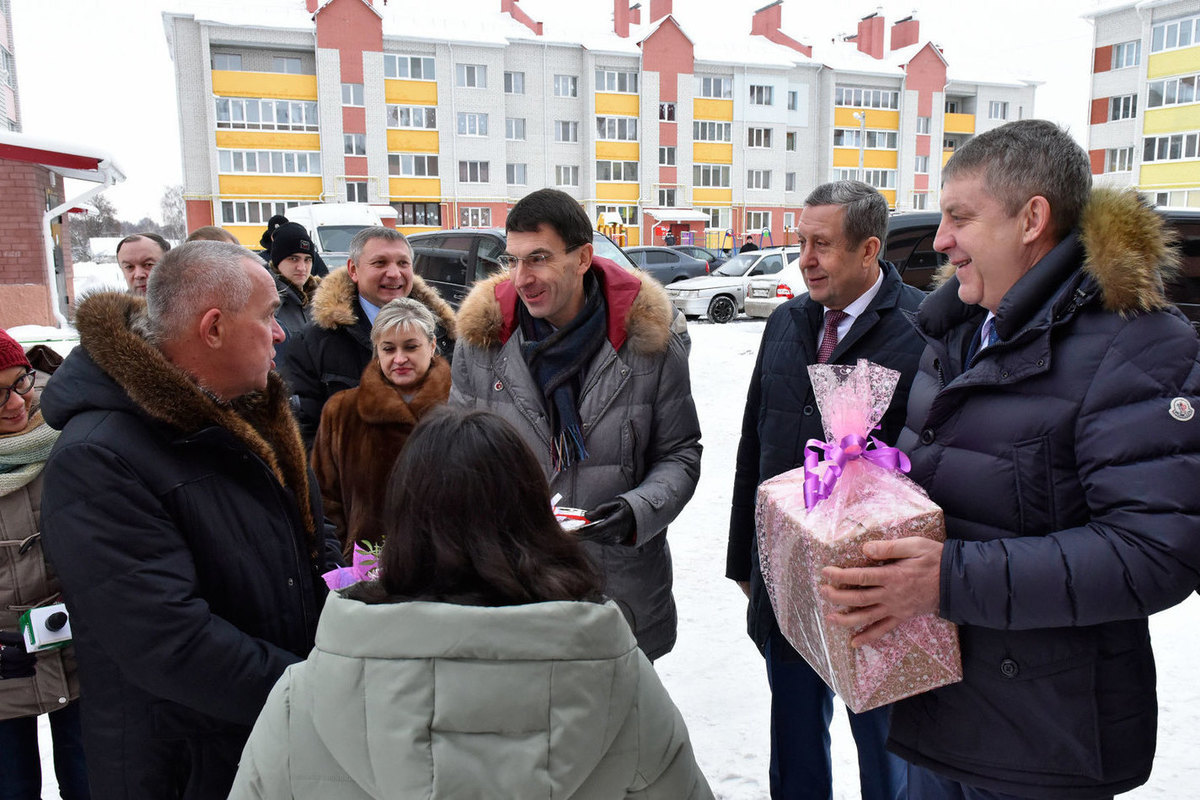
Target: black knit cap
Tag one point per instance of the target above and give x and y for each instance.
(290, 237)
(273, 223)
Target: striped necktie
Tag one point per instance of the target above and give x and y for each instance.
(829, 338)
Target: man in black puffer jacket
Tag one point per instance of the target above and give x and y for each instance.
(181, 517)
(1054, 420)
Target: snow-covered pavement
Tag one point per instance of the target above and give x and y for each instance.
(716, 675)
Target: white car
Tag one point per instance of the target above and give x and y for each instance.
(722, 294)
(764, 295)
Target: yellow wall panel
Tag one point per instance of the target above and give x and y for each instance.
(712, 153)
(625, 105)
(872, 159)
(418, 189)
(877, 118)
(406, 141)
(617, 192)
(422, 93)
(1172, 120)
(707, 108)
(959, 123)
(890, 196)
(946, 156)
(617, 151)
(268, 140)
(845, 156)
(264, 84)
(711, 197)
(247, 235)
(281, 186)
(1170, 175)
(409, 230)
(1173, 62)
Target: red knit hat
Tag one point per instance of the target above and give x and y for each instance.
(11, 353)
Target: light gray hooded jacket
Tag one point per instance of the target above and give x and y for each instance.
(443, 702)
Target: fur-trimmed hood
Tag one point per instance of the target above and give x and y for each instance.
(639, 311)
(302, 294)
(141, 379)
(335, 303)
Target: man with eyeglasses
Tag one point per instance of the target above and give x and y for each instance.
(582, 358)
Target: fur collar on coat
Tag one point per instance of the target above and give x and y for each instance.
(379, 403)
(639, 311)
(335, 303)
(110, 326)
(303, 293)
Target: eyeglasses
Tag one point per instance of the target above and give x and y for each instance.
(22, 387)
(534, 260)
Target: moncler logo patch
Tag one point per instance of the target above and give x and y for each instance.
(1181, 409)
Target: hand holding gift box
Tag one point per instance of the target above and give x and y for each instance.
(850, 492)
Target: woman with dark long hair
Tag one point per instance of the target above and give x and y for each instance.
(481, 663)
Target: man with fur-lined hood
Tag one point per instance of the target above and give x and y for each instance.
(331, 352)
(184, 524)
(581, 357)
(1053, 418)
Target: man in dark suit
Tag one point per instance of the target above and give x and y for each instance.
(854, 309)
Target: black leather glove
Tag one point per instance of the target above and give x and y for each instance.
(14, 661)
(611, 523)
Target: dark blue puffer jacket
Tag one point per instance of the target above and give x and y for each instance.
(1072, 513)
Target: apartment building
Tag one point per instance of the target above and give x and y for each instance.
(10, 107)
(653, 127)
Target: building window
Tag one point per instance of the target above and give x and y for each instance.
(758, 137)
(666, 112)
(758, 179)
(998, 109)
(880, 178)
(919, 200)
(617, 171)
(789, 220)
(793, 100)
(617, 128)
(628, 214)
(254, 114)
(354, 144)
(566, 131)
(1125, 106)
(705, 131)
(717, 217)
(514, 83)
(514, 129)
(566, 175)
(429, 214)
(472, 172)
(666, 156)
(475, 217)
(951, 106)
(254, 212)
(414, 68)
(1170, 92)
(762, 95)
(515, 174)
(666, 198)
(472, 124)
(356, 191)
(923, 124)
(1174, 147)
(949, 143)
(711, 175)
(611, 80)
(566, 86)
(1118, 159)
(758, 220)
(1127, 54)
(789, 141)
(227, 61)
(720, 88)
(412, 165)
(922, 165)
(424, 117)
(865, 98)
(875, 140)
(289, 66)
(471, 76)
(352, 94)
(269, 162)
(789, 181)
(1176, 33)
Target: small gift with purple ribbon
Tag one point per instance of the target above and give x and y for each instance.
(364, 566)
(851, 490)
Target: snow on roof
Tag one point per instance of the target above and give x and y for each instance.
(69, 159)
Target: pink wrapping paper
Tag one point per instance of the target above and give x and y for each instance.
(867, 503)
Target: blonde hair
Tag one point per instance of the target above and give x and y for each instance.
(404, 312)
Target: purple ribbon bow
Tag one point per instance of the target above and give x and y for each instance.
(361, 569)
(820, 475)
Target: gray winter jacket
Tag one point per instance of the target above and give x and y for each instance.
(436, 700)
(639, 424)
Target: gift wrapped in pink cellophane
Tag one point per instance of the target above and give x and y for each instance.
(868, 502)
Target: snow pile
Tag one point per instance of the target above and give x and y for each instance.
(91, 277)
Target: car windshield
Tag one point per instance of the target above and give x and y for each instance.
(604, 247)
(737, 266)
(336, 238)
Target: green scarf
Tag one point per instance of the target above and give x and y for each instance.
(24, 454)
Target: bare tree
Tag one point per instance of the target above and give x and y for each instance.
(174, 213)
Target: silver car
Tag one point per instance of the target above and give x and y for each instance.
(722, 295)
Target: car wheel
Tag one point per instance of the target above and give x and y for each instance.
(722, 309)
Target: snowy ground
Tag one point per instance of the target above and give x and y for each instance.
(716, 675)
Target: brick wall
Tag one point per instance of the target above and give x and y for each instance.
(28, 188)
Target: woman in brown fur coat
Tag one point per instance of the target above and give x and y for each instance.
(363, 429)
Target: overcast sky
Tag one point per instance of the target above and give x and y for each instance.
(97, 72)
